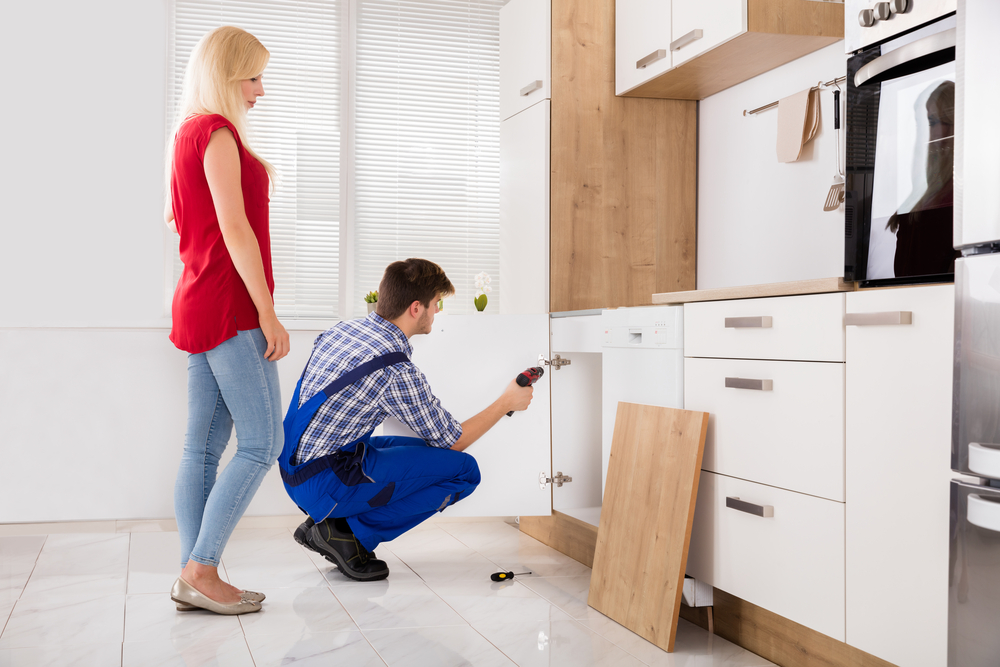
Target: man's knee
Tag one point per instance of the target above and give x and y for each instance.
(469, 470)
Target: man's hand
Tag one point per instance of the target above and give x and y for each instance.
(517, 397)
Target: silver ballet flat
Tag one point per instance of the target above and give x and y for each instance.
(184, 593)
(253, 596)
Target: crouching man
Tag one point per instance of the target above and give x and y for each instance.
(360, 490)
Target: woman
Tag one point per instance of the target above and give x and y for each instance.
(223, 312)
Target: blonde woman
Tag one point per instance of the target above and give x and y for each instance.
(223, 312)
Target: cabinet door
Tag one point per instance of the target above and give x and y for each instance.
(897, 475)
(642, 31)
(469, 360)
(524, 212)
(525, 51)
(719, 21)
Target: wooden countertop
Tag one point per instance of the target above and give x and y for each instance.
(817, 286)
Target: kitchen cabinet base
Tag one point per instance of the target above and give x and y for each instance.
(577, 539)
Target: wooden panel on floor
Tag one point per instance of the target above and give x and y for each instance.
(566, 534)
(624, 175)
(646, 518)
(780, 640)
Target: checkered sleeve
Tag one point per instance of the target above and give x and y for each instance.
(409, 399)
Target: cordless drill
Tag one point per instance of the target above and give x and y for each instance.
(528, 378)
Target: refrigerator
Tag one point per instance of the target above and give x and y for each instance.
(974, 558)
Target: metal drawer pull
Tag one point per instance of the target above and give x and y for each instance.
(531, 87)
(984, 512)
(984, 459)
(765, 511)
(659, 54)
(874, 319)
(746, 383)
(763, 322)
(692, 36)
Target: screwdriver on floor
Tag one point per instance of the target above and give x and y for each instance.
(504, 576)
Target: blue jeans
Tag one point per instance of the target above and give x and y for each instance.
(232, 382)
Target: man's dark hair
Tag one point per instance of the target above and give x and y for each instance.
(408, 281)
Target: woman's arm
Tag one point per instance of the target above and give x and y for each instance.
(168, 216)
(222, 170)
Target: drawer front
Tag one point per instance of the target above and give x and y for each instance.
(775, 422)
(796, 328)
(790, 563)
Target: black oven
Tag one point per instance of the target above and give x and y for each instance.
(899, 191)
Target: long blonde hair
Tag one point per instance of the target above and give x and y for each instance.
(213, 83)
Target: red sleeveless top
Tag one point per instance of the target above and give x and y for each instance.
(211, 303)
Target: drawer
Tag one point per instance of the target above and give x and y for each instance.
(797, 328)
(789, 433)
(790, 563)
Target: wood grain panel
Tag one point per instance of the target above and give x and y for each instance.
(796, 287)
(795, 17)
(646, 519)
(623, 186)
(566, 534)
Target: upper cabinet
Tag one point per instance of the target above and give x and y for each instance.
(707, 47)
(525, 55)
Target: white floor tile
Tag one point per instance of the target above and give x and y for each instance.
(189, 652)
(81, 564)
(567, 593)
(45, 619)
(153, 563)
(17, 560)
(389, 604)
(442, 647)
(486, 536)
(62, 656)
(262, 559)
(314, 650)
(297, 611)
(154, 617)
(463, 566)
(432, 541)
(558, 641)
(482, 602)
(539, 559)
(21, 549)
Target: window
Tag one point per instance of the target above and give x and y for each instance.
(384, 128)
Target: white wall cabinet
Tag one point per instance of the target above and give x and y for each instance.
(699, 26)
(525, 55)
(898, 473)
(642, 42)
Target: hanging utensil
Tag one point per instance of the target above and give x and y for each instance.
(835, 197)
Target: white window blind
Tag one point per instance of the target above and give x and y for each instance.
(427, 146)
(295, 126)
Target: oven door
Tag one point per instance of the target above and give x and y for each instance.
(900, 159)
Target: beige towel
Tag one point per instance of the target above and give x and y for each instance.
(798, 120)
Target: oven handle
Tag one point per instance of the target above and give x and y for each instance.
(922, 54)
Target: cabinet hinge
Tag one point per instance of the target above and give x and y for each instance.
(556, 362)
(544, 480)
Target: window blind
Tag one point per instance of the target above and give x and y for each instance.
(427, 143)
(295, 126)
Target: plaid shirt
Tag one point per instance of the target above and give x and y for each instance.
(400, 390)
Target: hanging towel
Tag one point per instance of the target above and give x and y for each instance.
(798, 120)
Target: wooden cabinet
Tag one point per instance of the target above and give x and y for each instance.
(718, 44)
(524, 55)
(899, 386)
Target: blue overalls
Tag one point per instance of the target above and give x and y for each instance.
(383, 486)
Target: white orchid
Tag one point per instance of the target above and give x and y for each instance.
(483, 281)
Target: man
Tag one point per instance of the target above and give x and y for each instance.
(360, 490)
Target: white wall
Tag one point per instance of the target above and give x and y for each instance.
(92, 394)
(760, 221)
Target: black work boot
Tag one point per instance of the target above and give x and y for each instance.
(300, 532)
(334, 540)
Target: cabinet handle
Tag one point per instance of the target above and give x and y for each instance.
(983, 513)
(692, 36)
(531, 87)
(659, 54)
(765, 511)
(763, 322)
(746, 383)
(984, 459)
(873, 319)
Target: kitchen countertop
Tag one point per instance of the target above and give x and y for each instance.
(817, 286)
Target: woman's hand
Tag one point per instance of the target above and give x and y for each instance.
(276, 336)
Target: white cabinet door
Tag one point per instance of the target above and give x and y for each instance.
(525, 52)
(469, 360)
(897, 475)
(699, 25)
(642, 42)
(524, 212)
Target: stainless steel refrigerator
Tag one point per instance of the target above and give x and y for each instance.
(974, 569)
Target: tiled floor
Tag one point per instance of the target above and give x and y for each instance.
(101, 599)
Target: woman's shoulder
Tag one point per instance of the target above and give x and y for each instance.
(202, 125)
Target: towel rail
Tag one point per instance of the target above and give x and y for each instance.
(772, 105)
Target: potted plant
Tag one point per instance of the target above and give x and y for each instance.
(482, 288)
(371, 299)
